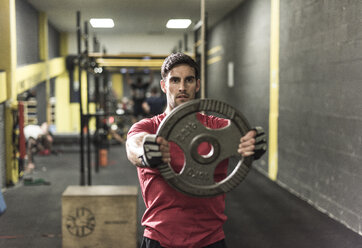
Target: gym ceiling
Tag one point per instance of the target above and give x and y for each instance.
(132, 16)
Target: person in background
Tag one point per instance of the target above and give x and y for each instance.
(138, 89)
(154, 104)
(38, 140)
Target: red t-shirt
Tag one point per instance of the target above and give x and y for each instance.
(173, 218)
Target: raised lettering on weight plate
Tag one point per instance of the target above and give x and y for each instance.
(200, 175)
(186, 131)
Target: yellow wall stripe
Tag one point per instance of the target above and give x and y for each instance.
(117, 85)
(214, 60)
(3, 95)
(67, 114)
(62, 107)
(274, 90)
(198, 43)
(214, 50)
(92, 121)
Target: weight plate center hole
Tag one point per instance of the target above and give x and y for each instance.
(205, 149)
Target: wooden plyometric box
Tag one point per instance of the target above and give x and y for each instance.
(99, 217)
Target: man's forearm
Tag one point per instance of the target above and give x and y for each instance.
(134, 148)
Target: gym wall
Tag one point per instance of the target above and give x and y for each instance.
(320, 117)
(242, 38)
(123, 43)
(27, 37)
(41, 107)
(28, 43)
(53, 42)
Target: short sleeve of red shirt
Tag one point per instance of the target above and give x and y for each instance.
(146, 125)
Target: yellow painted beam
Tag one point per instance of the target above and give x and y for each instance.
(56, 67)
(128, 55)
(130, 62)
(274, 90)
(3, 95)
(30, 75)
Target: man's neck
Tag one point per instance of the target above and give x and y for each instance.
(168, 110)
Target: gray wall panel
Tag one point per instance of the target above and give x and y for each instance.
(320, 119)
(53, 41)
(41, 107)
(26, 33)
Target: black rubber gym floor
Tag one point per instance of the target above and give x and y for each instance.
(260, 213)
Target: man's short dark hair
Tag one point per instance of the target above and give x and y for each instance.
(177, 59)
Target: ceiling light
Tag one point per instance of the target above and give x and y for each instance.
(178, 23)
(101, 23)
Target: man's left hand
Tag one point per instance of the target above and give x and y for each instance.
(253, 143)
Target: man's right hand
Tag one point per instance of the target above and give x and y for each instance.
(156, 151)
